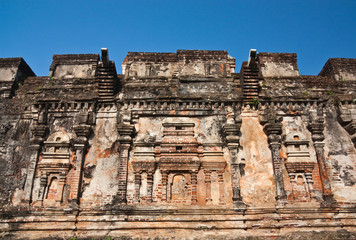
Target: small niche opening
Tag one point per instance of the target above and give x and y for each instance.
(300, 180)
(296, 137)
(179, 148)
(179, 128)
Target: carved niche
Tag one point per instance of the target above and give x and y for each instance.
(53, 168)
(299, 166)
(178, 157)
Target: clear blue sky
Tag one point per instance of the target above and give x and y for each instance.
(315, 30)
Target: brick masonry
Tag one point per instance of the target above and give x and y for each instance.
(178, 146)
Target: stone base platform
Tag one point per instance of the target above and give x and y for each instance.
(183, 223)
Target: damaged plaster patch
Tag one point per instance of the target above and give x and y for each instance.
(257, 185)
(101, 164)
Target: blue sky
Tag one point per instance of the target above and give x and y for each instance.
(315, 30)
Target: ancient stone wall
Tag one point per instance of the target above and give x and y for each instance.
(178, 146)
(342, 69)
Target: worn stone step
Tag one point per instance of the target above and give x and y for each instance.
(106, 92)
(251, 95)
(250, 87)
(251, 82)
(106, 74)
(106, 88)
(106, 84)
(104, 77)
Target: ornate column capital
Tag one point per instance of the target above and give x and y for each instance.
(232, 134)
(126, 131)
(316, 129)
(38, 131)
(83, 132)
(273, 129)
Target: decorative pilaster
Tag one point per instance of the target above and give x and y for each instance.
(80, 145)
(164, 185)
(309, 179)
(39, 132)
(316, 128)
(221, 187)
(232, 132)
(137, 186)
(194, 182)
(207, 174)
(149, 186)
(43, 184)
(273, 129)
(126, 131)
(62, 182)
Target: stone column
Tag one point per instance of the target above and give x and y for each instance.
(38, 132)
(164, 185)
(274, 131)
(61, 183)
(292, 178)
(75, 188)
(309, 180)
(232, 132)
(43, 185)
(221, 187)
(316, 128)
(149, 185)
(125, 131)
(236, 190)
(194, 181)
(80, 146)
(137, 186)
(207, 174)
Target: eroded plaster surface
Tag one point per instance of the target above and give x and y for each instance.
(179, 145)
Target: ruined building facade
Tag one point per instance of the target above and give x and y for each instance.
(178, 145)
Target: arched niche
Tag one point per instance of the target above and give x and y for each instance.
(59, 137)
(299, 165)
(57, 142)
(301, 186)
(54, 166)
(179, 187)
(297, 145)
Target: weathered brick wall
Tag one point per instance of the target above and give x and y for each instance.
(178, 145)
(342, 69)
(278, 64)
